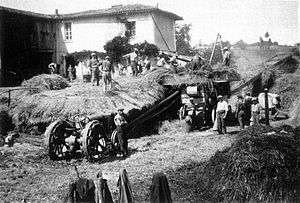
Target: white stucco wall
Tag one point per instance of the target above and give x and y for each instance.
(93, 33)
(167, 28)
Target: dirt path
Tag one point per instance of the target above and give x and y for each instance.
(26, 173)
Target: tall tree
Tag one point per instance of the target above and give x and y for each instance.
(183, 38)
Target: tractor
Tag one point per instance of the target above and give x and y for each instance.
(79, 135)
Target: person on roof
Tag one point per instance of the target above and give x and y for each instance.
(227, 55)
(106, 70)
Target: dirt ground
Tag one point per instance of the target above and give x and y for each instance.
(27, 174)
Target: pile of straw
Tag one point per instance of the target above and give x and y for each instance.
(46, 82)
(262, 165)
(45, 107)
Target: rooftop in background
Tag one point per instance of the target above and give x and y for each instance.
(114, 10)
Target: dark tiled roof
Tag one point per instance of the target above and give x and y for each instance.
(27, 13)
(114, 10)
(119, 9)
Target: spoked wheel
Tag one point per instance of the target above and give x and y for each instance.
(94, 145)
(114, 141)
(55, 136)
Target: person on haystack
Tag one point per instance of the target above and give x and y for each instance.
(94, 67)
(120, 123)
(226, 60)
(222, 109)
(106, 70)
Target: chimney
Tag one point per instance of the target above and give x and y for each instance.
(56, 12)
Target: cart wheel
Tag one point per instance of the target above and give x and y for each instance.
(94, 145)
(54, 141)
(114, 141)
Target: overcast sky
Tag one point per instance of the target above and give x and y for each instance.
(233, 19)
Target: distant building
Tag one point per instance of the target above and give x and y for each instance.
(30, 41)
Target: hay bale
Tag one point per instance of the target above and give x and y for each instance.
(295, 112)
(259, 165)
(46, 82)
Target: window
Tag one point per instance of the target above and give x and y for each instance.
(68, 31)
(130, 28)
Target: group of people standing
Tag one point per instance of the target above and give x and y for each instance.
(247, 112)
(105, 67)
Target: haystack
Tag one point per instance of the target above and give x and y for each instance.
(46, 82)
(262, 165)
(45, 107)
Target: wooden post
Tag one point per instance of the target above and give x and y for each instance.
(266, 107)
(9, 97)
(212, 53)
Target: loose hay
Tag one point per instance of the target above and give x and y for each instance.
(46, 82)
(259, 165)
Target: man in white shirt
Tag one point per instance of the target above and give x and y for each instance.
(226, 60)
(222, 109)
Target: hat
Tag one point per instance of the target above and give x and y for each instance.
(120, 109)
(220, 97)
(254, 99)
(107, 57)
(240, 97)
(93, 54)
(225, 48)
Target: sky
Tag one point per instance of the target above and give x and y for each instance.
(233, 19)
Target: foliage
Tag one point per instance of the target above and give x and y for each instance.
(117, 47)
(147, 49)
(183, 40)
(241, 44)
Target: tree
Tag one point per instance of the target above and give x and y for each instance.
(117, 47)
(183, 39)
(241, 44)
(147, 49)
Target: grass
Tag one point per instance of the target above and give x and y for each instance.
(25, 169)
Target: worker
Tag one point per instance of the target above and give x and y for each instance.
(275, 109)
(227, 55)
(222, 109)
(120, 123)
(174, 63)
(247, 104)
(159, 190)
(196, 63)
(52, 68)
(125, 194)
(106, 70)
(94, 67)
(134, 62)
(255, 111)
(71, 73)
(147, 63)
(240, 112)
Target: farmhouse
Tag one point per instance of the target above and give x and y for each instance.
(30, 41)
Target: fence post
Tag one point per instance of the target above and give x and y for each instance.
(9, 97)
(267, 107)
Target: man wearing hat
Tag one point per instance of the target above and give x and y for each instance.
(106, 73)
(226, 60)
(255, 111)
(134, 61)
(120, 123)
(240, 111)
(94, 67)
(222, 109)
